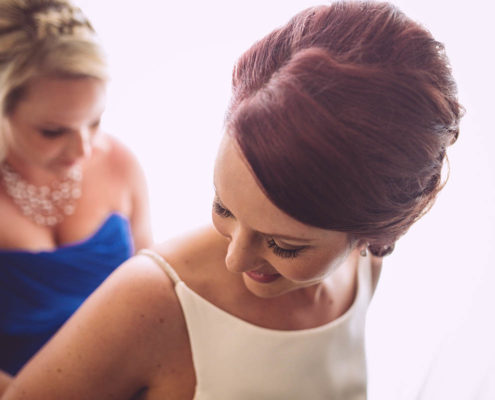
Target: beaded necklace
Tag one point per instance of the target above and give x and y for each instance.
(46, 205)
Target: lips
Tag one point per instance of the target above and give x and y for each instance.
(261, 277)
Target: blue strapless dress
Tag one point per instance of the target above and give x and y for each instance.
(39, 291)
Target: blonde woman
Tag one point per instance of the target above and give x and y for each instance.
(73, 201)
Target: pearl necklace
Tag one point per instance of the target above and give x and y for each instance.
(45, 205)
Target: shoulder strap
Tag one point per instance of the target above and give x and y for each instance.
(162, 263)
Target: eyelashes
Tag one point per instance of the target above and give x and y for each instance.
(55, 133)
(221, 211)
(51, 134)
(277, 250)
(281, 252)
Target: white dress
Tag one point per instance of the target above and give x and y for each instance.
(236, 360)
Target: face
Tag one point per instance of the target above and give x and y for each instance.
(275, 253)
(54, 125)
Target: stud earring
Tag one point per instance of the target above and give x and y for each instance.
(364, 252)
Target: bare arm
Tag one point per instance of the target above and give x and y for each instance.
(126, 170)
(140, 214)
(5, 379)
(111, 346)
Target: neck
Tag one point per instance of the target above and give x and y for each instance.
(313, 295)
(45, 204)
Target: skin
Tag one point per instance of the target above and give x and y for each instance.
(54, 127)
(257, 230)
(5, 380)
(129, 339)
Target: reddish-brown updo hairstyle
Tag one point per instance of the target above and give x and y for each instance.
(344, 115)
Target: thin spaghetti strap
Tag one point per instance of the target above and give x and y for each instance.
(162, 263)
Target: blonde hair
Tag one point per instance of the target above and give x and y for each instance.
(43, 38)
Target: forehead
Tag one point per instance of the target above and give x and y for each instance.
(239, 191)
(62, 99)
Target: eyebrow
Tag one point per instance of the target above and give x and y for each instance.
(272, 235)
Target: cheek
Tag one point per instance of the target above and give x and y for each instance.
(221, 225)
(25, 146)
(56, 146)
(32, 144)
(314, 267)
(48, 150)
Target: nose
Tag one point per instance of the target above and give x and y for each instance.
(242, 253)
(82, 145)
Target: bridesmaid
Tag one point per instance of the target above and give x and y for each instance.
(73, 201)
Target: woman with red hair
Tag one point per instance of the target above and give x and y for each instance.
(334, 143)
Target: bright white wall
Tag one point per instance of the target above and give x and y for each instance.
(431, 323)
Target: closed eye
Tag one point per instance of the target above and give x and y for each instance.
(283, 252)
(52, 133)
(221, 210)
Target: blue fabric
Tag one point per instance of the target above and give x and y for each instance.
(39, 291)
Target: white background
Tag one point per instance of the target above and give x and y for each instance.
(431, 323)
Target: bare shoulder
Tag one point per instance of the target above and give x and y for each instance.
(114, 155)
(144, 282)
(193, 254)
(130, 327)
(139, 301)
(117, 176)
(141, 288)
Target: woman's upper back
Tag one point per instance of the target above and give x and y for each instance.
(235, 358)
(136, 315)
(241, 346)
